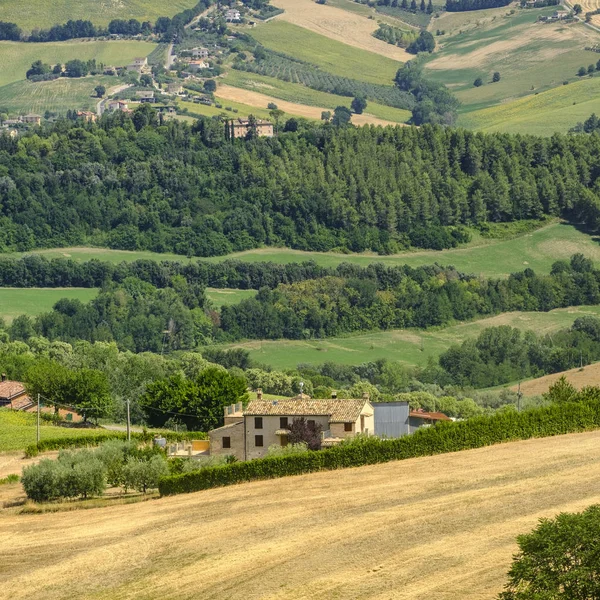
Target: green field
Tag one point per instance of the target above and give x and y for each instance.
(530, 57)
(59, 95)
(34, 301)
(562, 108)
(45, 13)
(18, 430)
(227, 297)
(491, 258)
(243, 110)
(16, 57)
(294, 92)
(413, 347)
(330, 55)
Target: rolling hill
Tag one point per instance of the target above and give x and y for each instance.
(369, 532)
(580, 377)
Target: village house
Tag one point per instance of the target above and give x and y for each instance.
(560, 14)
(197, 65)
(239, 128)
(174, 88)
(146, 96)
(117, 105)
(139, 65)
(233, 15)
(31, 119)
(87, 116)
(13, 394)
(248, 433)
(200, 52)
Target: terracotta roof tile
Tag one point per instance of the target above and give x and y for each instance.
(11, 389)
(338, 410)
(432, 416)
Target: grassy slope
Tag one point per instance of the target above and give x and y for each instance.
(226, 297)
(58, 96)
(45, 13)
(412, 347)
(369, 533)
(562, 107)
(33, 301)
(332, 56)
(16, 58)
(18, 430)
(293, 92)
(491, 258)
(579, 377)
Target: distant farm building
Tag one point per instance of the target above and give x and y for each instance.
(200, 52)
(233, 15)
(138, 64)
(239, 128)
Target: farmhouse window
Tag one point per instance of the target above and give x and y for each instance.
(226, 442)
(258, 423)
(258, 441)
(283, 422)
(311, 422)
(347, 426)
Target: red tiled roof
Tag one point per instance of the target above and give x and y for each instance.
(338, 410)
(11, 389)
(432, 416)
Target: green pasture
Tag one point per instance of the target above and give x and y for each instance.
(331, 55)
(18, 430)
(561, 108)
(58, 96)
(243, 110)
(530, 56)
(413, 347)
(226, 297)
(34, 301)
(301, 94)
(490, 258)
(16, 57)
(45, 13)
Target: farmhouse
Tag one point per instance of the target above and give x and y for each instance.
(32, 119)
(13, 394)
(117, 105)
(197, 65)
(138, 64)
(248, 433)
(200, 52)
(239, 128)
(560, 14)
(233, 15)
(174, 88)
(87, 116)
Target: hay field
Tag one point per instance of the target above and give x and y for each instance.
(45, 13)
(338, 24)
(412, 347)
(588, 375)
(562, 107)
(590, 6)
(248, 97)
(530, 56)
(331, 55)
(440, 527)
(16, 57)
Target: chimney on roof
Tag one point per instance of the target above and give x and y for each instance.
(259, 394)
(366, 396)
(3, 376)
(333, 395)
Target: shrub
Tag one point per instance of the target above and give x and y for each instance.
(444, 437)
(42, 481)
(143, 475)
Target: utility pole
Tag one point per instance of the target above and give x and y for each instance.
(38, 418)
(519, 395)
(128, 423)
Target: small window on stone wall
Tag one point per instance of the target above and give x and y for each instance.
(258, 441)
(347, 426)
(226, 442)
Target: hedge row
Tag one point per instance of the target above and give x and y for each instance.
(445, 437)
(82, 441)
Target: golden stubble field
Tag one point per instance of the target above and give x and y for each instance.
(439, 527)
(588, 375)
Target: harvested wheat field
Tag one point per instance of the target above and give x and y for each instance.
(589, 375)
(228, 92)
(340, 25)
(591, 6)
(440, 527)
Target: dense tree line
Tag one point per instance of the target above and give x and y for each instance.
(130, 183)
(460, 5)
(10, 31)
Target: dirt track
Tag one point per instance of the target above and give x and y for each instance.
(441, 527)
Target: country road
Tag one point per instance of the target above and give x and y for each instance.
(111, 92)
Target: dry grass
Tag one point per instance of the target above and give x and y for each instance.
(340, 25)
(440, 527)
(242, 96)
(589, 375)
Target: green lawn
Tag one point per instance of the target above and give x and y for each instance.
(491, 258)
(58, 96)
(332, 56)
(34, 301)
(412, 347)
(16, 57)
(45, 13)
(530, 56)
(294, 92)
(18, 430)
(227, 297)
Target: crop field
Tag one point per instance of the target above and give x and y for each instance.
(225, 297)
(337, 24)
(16, 57)
(45, 13)
(530, 56)
(34, 301)
(590, 6)
(58, 96)
(18, 430)
(563, 107)
(297, 94)
(366, 533)
(489, 258)
(579, 377)
(412, 347)
(331, 55)
(243, 110)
